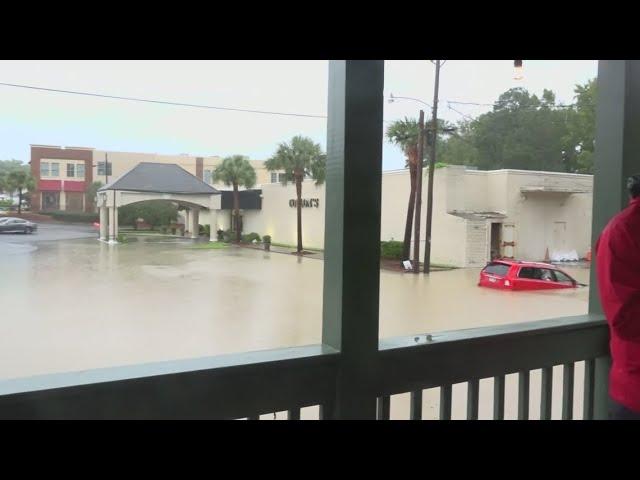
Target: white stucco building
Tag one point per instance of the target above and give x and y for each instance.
(511, 213)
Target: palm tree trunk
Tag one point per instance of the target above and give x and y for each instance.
(19, 201)
(236, 210)
(410, 209)
(299, 205)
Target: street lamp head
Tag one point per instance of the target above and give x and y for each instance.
(517, 64)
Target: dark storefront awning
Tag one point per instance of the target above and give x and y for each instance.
(249, 200)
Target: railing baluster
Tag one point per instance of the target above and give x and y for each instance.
(326, 411)
(384, 407)
(568, 373)
(416, 405)
(498, 397)
(523, 395)
(445, 402)
(589, 384)
(473, 393)
(293, 414)
(546, 390)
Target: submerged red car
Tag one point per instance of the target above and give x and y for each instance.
(518, 275)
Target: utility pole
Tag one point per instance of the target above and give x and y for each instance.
(416, 244)
(433, 135)
(106, 168)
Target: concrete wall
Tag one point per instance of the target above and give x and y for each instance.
(278, 218)
(535, 214)
(456, 240)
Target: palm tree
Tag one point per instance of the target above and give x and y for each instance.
(405, 133)
(92, 193)
(299, 159)
(237, 171)
(20, 180)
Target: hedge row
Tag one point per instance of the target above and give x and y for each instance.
(74, 216)
(391, 249)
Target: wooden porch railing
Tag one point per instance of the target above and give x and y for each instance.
(250, 384)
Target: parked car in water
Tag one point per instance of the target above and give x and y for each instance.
(16, 225)
(518, 275)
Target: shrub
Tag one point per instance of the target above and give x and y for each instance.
(75, 216)
(228, 236)
(266, 239)
(250, 237)
(6, 203)
(391, 249)
(204, 230)
(220, 235)
(154, 213)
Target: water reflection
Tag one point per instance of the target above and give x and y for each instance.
(83, 304)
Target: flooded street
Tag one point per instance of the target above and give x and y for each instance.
(79, 304)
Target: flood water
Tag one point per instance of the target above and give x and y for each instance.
(80, 304)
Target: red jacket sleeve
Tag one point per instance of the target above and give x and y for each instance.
(624, 284)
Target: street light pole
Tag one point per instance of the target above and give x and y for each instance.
(432, 167)
(418, 200)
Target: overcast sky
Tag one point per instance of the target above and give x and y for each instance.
(37, 117)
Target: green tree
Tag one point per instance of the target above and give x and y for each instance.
(155, 213)
(92, 192)
(581, 126)
(7, 166)
(300, 159)
(236, 171)
(404, 134)
(22, 181)
(521, 132)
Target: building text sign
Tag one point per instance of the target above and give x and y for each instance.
(306, 202)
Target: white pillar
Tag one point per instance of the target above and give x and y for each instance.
(103, 223)
(195, 216)
(187, 220)
(112, 224)
(63, 200)
(115, 220)
(213, 225)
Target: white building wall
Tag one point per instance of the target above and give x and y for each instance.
(455, 240)
(278, 219)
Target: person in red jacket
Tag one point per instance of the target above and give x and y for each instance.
(618, 272)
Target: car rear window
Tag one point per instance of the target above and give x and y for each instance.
(498, 269)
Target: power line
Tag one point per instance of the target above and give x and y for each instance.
(468, 117)
(163, 102)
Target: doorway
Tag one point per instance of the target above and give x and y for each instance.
(494, 246)
(50, 201)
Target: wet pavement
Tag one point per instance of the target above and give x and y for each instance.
(79, 303)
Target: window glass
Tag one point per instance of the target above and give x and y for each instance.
(44, 169)
(561, 277)
(55, 169)
(499, 269)
(80, 170)
(71, 170)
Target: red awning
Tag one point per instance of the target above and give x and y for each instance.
(61, 185)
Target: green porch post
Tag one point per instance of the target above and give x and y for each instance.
(352, 231)
(617, 156)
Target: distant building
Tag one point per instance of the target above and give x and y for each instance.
(63, 174)
(477, 215)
